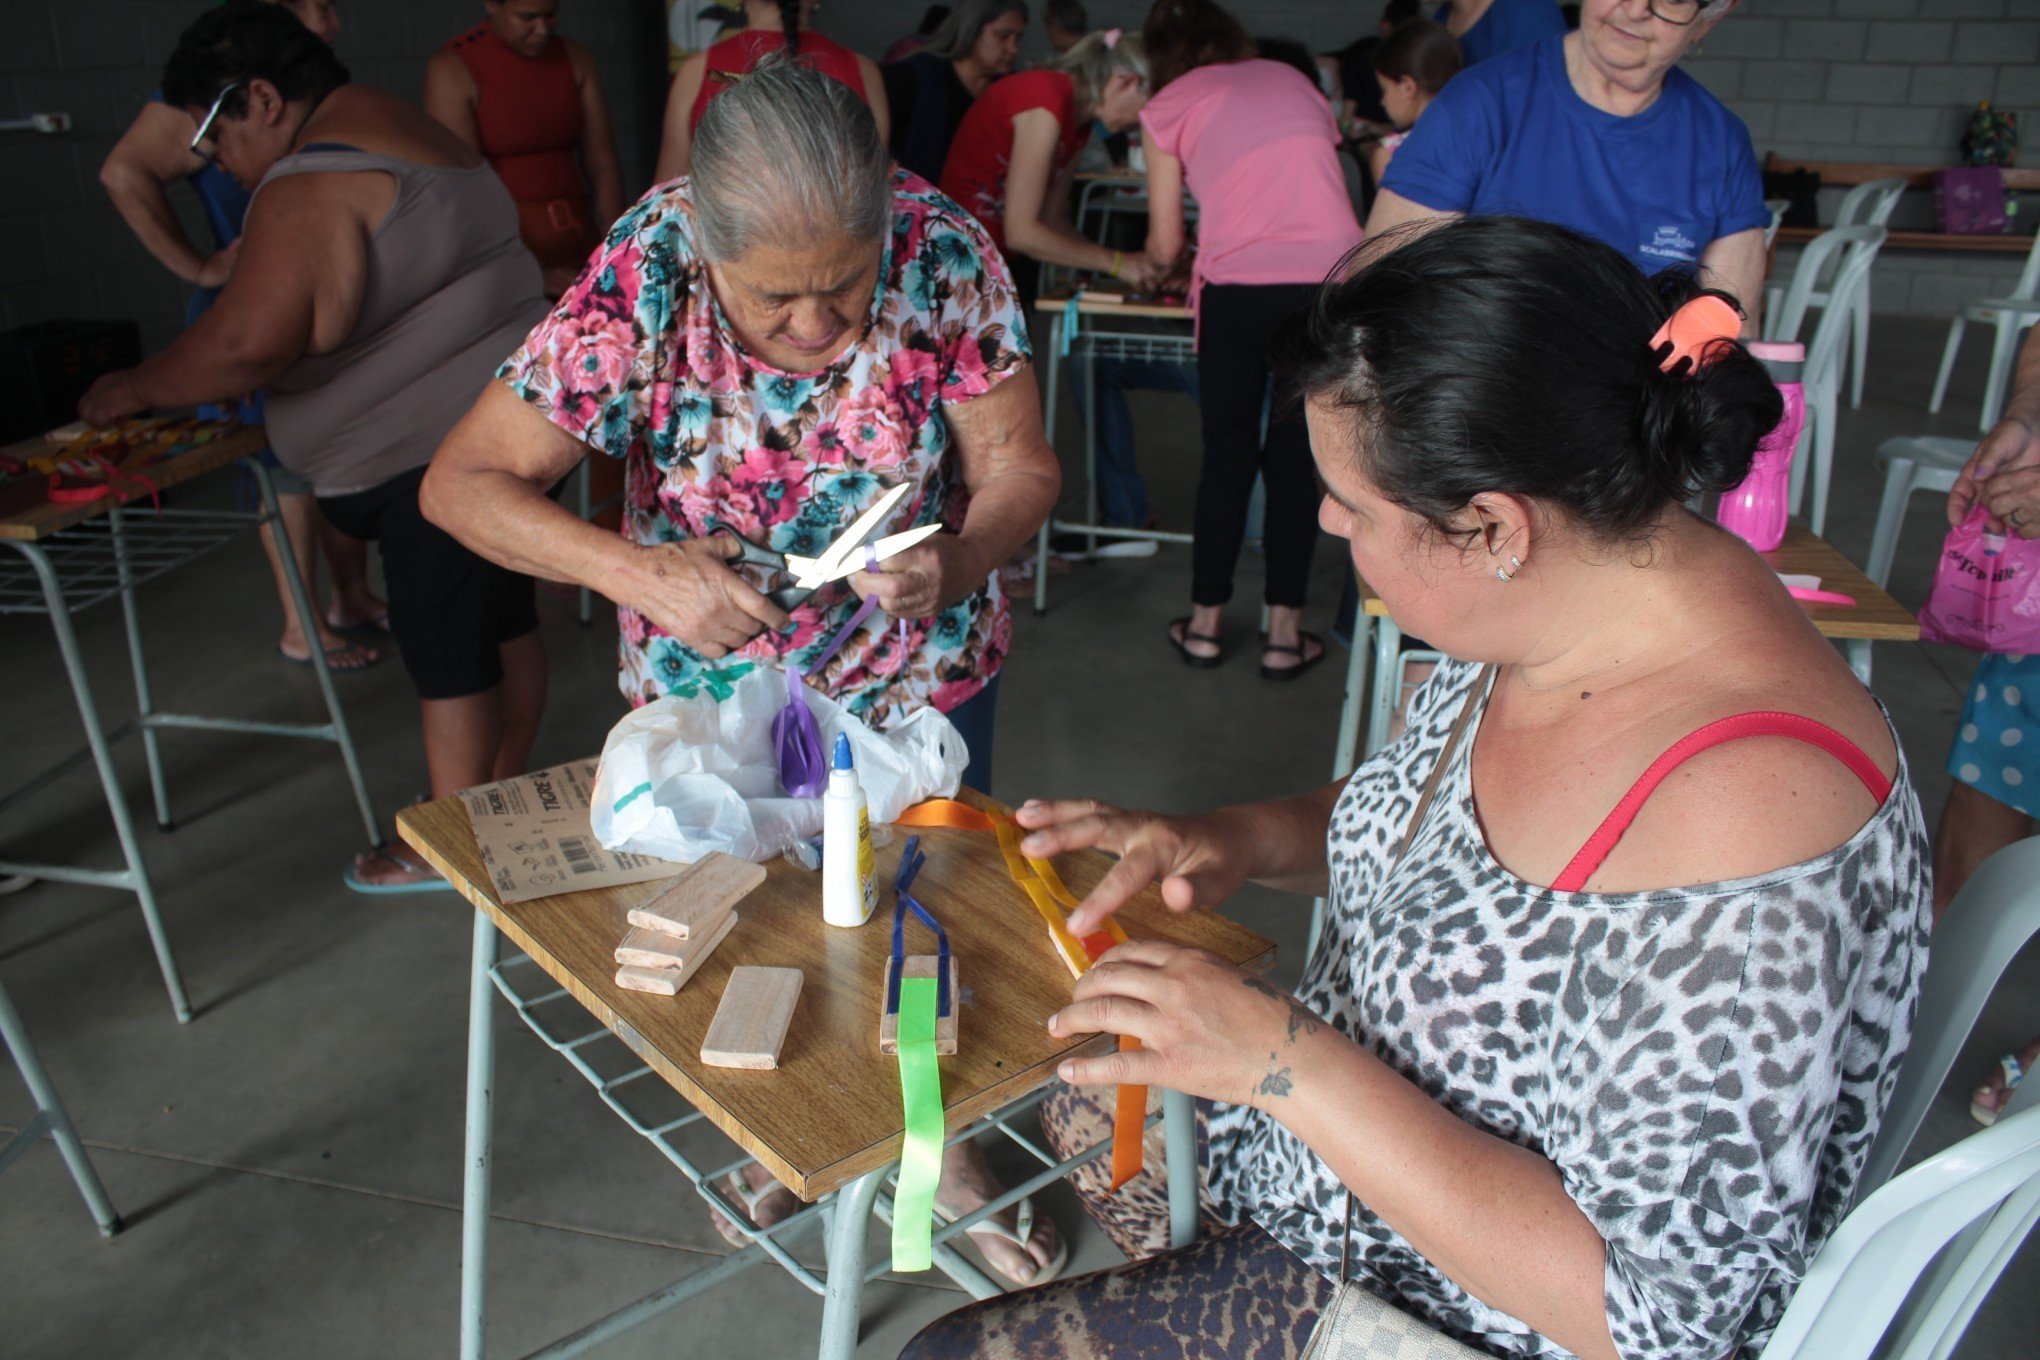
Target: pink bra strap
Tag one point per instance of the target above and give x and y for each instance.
(1606, 836)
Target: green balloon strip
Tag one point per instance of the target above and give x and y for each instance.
(921, 1099)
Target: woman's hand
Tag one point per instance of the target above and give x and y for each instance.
(688, 590)
(2010, 448)
(1205, 1027)
(1139, 273)
(1198, 863)
(110, 398)
(925, 579)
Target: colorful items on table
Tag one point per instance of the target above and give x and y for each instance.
(1053, 900)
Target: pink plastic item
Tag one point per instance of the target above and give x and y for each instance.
(1986, 593)
(1756, 510)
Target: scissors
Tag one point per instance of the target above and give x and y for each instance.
(847, 555)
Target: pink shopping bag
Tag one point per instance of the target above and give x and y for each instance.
(1986, 593)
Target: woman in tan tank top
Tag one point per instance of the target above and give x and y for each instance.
(379, 283)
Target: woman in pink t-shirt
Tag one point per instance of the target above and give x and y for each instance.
(1258, 147)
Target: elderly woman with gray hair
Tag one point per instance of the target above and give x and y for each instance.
(768, 346)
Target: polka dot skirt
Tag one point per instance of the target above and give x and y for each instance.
(1997, 746)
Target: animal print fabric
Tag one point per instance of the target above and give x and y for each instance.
(1705, 1066)
(1237, 1294)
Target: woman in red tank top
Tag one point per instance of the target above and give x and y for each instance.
(531, 102)
(769, 26)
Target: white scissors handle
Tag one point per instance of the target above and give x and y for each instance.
(826, 567)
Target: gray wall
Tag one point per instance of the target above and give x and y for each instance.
(1820, 79)
(64, 252)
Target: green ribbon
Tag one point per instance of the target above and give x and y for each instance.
(921, 1099)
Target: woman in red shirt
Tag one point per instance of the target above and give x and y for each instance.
(769, 26)
(1010, 165)
(531, 103)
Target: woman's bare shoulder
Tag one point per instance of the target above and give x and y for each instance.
(380, 122)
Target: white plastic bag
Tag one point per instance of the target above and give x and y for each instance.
(682, 777)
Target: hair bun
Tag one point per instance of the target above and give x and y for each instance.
(1701, 430)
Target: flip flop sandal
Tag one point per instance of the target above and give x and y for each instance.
(1181, 643)
(1304, 660)
(736, 1187)
(356, 883)
(1020, 1234)
(376, 625)
(374, 659)
(2012, 1073)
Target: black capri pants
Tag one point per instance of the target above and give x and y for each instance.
(449, 609)
(1235, 322)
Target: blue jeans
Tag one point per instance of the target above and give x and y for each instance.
(1122, 496)
(973, 720)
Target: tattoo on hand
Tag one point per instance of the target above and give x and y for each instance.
(1276, 1083)
(1301, 1021)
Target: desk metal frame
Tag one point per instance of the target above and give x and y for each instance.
(844, 1216)
(111, 555)
(1070, 339)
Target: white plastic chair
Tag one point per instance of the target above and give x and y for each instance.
(2006, 316)
(1919, 1252)
(1867, 205)
(1911, 463)
(1849, 252)
(1777, 207)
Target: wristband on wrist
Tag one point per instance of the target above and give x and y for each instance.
(1118, 260)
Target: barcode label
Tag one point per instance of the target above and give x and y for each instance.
(579, 858)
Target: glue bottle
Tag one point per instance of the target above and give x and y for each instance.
(1756, 510)
(849, 878)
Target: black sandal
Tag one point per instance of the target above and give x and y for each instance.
(1180, 643)
(1304, 662)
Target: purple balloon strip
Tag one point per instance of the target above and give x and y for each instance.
(796, 736)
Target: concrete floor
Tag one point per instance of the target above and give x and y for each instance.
(289, 1162)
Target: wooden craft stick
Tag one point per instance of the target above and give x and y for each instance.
(750, 1021)
(669, 981)
(919, 966)
(643, 948)
(692, 902)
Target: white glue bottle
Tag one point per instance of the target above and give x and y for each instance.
(849, 880)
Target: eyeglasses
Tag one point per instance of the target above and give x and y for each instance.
(1677, 12)
(202, 144)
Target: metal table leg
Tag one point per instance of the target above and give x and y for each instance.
(1179, 1124)
(116, 520)
(301, 600)
(135, 878)
(481, 1083)
(843, 1303)
(1087, 404)
(1858, 651)
(52, 1117)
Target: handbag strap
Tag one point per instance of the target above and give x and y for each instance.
(1472, 705)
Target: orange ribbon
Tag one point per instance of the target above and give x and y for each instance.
(1053, 900)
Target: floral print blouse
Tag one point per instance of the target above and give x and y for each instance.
(637, 361)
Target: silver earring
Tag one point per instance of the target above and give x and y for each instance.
(1515, 565)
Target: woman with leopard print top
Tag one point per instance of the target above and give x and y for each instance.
(1600, 1104)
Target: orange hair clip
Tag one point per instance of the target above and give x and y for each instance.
(1697, 334)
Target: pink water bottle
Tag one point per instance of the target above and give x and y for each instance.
(1757, 509)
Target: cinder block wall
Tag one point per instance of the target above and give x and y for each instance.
(1867, 80)
(64, 251)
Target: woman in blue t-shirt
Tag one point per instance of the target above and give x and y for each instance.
(1597, 131)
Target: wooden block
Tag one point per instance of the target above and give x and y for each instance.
(643, 948)
(750, 1021)
(920, 966)
(691, 903)
(669, 981)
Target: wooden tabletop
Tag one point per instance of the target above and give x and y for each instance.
(1875, 615)
(1971, 242)
(1058, 303)
(831, 1112)
(28, 515)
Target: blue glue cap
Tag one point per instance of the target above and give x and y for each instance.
(842, 760)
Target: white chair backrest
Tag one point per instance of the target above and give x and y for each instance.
(2029, 277)
(1857, 1286)
(1990, 920)
(1858, 247)
(1776, 207)
(1869, 204)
